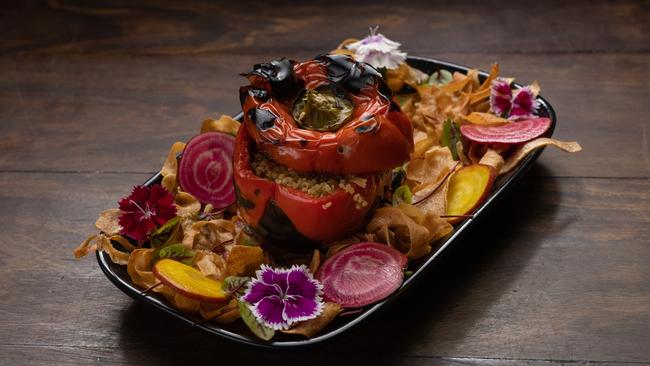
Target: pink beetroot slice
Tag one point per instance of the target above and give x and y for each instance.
(362, 274)
(511, 133)
(205, 169)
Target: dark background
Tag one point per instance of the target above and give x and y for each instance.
(92, 94)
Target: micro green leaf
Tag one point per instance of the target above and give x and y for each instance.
(177, 252)
(440, 78)
(402, 194)
(261, 331)
(450, 137)
(235, 286)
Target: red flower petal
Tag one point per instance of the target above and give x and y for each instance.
(144, 210)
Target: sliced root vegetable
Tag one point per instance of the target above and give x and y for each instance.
(522, 151)
(189, 281)
(205, 170)
(511, 133)
(468, 188)
(362, 274)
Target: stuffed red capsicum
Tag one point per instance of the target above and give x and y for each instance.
(316, 148)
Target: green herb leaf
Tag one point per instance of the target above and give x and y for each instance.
(450, 137)
(440, 78)
(235, 286)
(260, 330)
(177, 252)
(402, 194)
(161, 236)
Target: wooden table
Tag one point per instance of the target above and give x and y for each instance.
(92, 95)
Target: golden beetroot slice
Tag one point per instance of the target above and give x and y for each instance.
(511, 133)
(189, 281)
(362, 274)
(468, 188)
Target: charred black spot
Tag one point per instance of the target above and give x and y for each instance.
(384, 90)
(260, 94)
(340, 149)
(256, 191)
(275, 226)
(263, 119)
(349, 73)
(283, 80)
(303, 143)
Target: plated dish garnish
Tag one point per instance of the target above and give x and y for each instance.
(342, 174)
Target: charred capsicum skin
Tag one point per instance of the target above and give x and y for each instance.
(375, 137)
(282, 214)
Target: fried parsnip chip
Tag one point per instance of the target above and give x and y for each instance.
(139, 268)
(103, 243)
(118, 257)
(124, 242)
(429, 169)
(494, 73)
(413, 229)
(522, 151)
(493, 159)
(86, 247)
(224, 124)
(243, 260)
(186, 204)
(210, 264)
(170, 167)
(208, 234)
(109, 221)
(487, 119)
(433, 198)
(308, 328)
(475, 152)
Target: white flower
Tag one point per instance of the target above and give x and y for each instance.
(378, 51)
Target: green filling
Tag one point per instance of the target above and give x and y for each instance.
(322, 110)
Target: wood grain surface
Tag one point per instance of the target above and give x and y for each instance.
(92, 94)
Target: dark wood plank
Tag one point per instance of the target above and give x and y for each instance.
(556, 273)
(122, 114)
(166, 28)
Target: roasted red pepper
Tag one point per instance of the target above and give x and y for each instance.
(290, 216)
(331, 115)
(376, 137)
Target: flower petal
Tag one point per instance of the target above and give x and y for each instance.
(300, 308)
(524, 103)
(270, 312)
(378, 51)
(273, 276)
(301, 283)
(500, 96)
(258, 290)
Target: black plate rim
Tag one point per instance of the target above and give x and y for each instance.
(127, 287)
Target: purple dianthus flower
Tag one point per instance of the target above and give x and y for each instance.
(280, 297)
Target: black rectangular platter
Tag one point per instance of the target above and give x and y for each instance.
(238, 332)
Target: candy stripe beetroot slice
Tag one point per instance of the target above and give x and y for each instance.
(362, 274)
(205, 169)
(512, 133)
